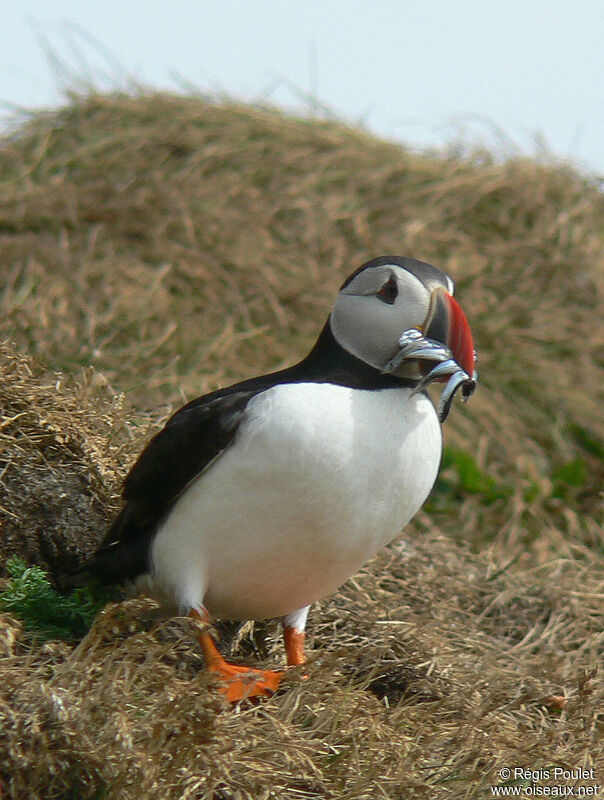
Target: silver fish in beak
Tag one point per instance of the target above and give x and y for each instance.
(444, 347)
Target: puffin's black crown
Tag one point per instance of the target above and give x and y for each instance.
(428, 274)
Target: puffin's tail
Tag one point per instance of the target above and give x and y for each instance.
(122, 556)
(76, 579)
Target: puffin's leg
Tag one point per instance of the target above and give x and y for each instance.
(293, 635)
(237, 682)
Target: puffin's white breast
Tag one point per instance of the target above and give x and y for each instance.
(319, 477)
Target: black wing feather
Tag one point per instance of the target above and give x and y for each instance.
(190, 440)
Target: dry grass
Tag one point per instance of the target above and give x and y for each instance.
(61, 445)
(430, 675)
(178, 245)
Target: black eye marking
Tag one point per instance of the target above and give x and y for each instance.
(389, 291)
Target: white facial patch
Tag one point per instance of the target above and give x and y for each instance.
(368, 327)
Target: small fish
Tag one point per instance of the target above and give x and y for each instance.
(413, 345)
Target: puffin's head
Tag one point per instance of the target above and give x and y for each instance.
(390, 295)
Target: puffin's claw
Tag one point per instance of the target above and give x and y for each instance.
(236, 683)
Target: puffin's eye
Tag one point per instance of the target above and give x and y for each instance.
(389, 291)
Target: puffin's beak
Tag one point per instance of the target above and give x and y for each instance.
(446, 323)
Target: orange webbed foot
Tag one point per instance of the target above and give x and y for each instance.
(236, 682)
(241, 683)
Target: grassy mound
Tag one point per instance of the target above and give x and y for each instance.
(61, 442)
(175, 246)
(430, 674)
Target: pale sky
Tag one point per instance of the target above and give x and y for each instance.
(520, 74)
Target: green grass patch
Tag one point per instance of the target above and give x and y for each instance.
(46, 614)
(588, 440)
(460, 476)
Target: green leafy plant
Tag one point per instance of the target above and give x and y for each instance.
(29, 596)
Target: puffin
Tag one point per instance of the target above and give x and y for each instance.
(258, 499)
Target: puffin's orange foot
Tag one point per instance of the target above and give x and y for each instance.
(236, 682)
(240, 683)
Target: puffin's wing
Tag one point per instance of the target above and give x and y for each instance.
(190, 441)
(179, 453)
